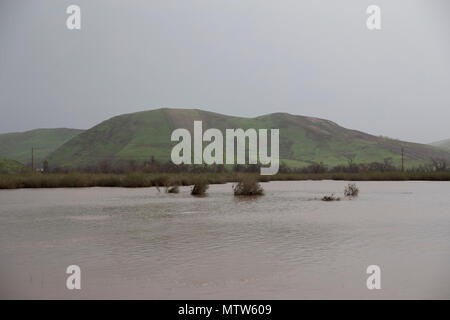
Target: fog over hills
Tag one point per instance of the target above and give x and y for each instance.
(445, 144)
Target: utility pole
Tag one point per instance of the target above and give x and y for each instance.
(403, 161)
(32, 160)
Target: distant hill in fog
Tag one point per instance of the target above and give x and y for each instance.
(303, 140)
(17, 145)
(10, 166)
(445, 144)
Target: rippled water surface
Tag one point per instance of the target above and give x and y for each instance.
(139, 243)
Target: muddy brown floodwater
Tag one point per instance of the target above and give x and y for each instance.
(139, 243)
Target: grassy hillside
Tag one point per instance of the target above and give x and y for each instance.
(11, 166)
(303, 140)
(17, 145)
(444, 144)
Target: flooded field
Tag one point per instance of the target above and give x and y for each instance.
(287, 244)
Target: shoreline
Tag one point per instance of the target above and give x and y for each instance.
(144, 180)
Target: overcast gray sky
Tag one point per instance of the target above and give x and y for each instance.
(238, 57)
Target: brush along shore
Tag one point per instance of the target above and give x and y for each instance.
(140, 180)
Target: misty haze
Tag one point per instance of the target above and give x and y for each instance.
(224, 149)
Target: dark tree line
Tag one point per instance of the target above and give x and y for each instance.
(154, 166)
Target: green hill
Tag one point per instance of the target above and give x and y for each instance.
(11, 166)
(17, 146)
(444, 144)
(303, 140)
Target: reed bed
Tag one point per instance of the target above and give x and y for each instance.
(139, 180)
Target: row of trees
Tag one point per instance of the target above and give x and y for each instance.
(154, 166)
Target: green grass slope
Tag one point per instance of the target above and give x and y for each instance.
(17, 146)
(303, 140)
(444, 144)
(11, 166)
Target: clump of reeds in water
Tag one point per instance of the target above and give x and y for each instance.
(331, 197)
(173, 189)
(351, 190)
(172, 185)
(248, 186)
(199, 188)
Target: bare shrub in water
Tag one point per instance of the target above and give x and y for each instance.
(173, 189)
(172, 185)
(200, 187)
(331, 198)
(351, 190)
(248, 186)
